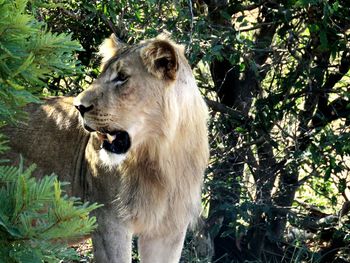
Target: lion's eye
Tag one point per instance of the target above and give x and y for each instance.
(120, 79)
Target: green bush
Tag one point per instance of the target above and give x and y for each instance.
(29, 55)
(36, 220)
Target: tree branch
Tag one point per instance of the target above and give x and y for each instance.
(219, 107)
(326, 113)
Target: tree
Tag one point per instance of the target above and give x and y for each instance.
(293, 57)
(276, 76)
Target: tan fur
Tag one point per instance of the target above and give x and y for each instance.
(109, 48)
(155, 191)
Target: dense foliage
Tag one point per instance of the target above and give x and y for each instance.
(29, 56)
(36, 217)
(276, 77)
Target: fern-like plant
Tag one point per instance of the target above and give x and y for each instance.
(29, 54)
(36, 220)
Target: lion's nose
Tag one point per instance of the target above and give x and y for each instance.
(82, 109)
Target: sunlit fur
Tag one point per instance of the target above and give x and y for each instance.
(166, 119)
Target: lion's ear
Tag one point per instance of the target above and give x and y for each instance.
(109, 48)
(161, 59)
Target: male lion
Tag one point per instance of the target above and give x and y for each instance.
(142, 151)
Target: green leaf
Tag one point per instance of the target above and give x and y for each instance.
(323, 40)
(27, 256)
(327, 174)
(240, 19)
(342, 185)
(13, 231)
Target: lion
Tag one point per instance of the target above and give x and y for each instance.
(135, 141)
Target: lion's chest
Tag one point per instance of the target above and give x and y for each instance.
(146, 197)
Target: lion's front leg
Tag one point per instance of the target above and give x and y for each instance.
(162, 249)
(111, 240)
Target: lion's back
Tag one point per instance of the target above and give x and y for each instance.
(51, 138)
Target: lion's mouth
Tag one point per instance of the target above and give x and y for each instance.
(116, 142)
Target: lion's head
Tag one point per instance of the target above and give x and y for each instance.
(137, 95)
